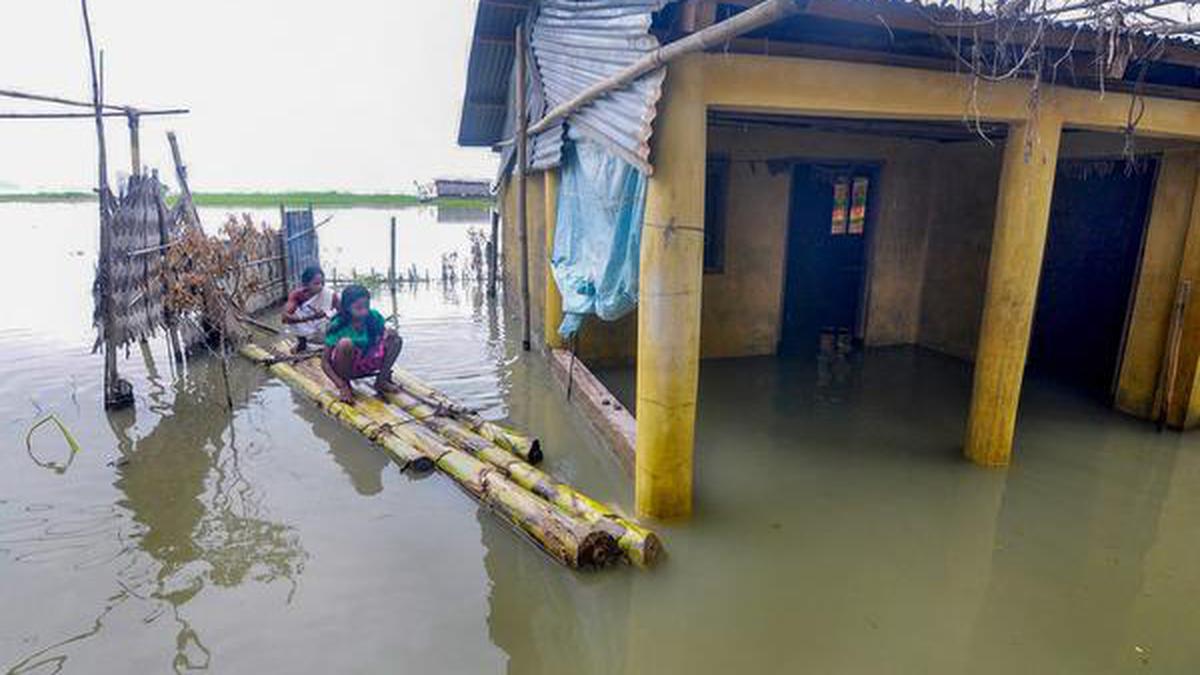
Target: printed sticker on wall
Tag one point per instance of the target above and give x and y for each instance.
(841, 195)
(858, 207)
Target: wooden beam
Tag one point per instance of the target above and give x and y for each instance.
(603, 411)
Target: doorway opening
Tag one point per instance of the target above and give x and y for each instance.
(825, 278)
(1098, 221)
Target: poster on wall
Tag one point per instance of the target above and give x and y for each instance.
(841, 196)
(858, 205)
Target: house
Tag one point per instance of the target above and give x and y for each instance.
(877, 172)
(462, 188)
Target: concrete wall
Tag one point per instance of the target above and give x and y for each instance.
(966, 177)
(742, 305)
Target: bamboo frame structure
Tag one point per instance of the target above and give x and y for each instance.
(117, 392)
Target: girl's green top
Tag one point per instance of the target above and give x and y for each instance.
(372, 330)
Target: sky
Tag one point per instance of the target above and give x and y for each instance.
(359, 95)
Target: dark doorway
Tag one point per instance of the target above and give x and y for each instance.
(826, 257)
(1097, 222)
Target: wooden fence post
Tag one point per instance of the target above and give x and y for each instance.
(135, 142)
(492, 252)
(392, 266)
(522, 122)
(283, 243)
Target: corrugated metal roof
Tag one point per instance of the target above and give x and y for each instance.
(573, 44)
(578, 43)
(489, 72)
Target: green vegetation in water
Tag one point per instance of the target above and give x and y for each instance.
(325, 199)
(46, 197)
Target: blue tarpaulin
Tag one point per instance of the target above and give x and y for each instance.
(597, 236)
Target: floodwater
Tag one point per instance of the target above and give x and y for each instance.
(837, 529)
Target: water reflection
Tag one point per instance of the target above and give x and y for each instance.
(362, 463)
(201, 520)
(463, 214)
(188, 518)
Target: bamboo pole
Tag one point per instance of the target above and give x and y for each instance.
(108, 108)
(641, 546)
(135, 143)
(117, 392)
(758, 16)
(185, 192)
(572, 541)
(529, 450)
(522, 122)
(171, 322)
(77, 116)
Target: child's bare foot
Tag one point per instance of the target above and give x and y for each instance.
(386, 386)
(346, 395)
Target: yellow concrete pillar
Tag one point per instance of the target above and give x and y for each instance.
(552, 315)
(672, 267)
(1018, 242)
(1158, 278)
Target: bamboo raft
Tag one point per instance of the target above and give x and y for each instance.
(424, 430)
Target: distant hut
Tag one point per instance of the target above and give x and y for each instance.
(461, 188)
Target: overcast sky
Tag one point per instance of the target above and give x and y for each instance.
(354, 95)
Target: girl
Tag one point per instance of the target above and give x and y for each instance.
(358, 344)
(308, 308)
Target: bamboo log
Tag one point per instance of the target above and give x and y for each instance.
(375, 430)
(573, 541)
(527, 449)
(640, 546)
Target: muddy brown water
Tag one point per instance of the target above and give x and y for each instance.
(837, 529)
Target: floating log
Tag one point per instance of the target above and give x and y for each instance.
(573, 541)
(640, 546)
(526, 448)
(361, 420)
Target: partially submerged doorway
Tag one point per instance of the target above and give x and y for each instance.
(825, 276)
(1097, 224)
